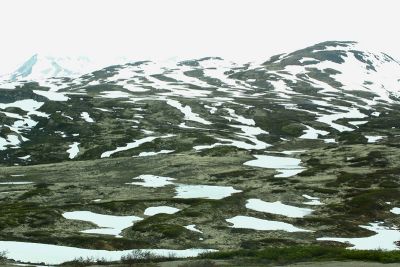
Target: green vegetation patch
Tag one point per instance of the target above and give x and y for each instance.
(293, 254)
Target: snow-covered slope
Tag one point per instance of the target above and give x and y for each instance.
(40, 67)
(337, 66)
(204, 135)
(48, 70)
(317, 93)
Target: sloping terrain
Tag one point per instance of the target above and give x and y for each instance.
(300, 149)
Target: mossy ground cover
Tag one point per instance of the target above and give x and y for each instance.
(34, 211)
(285, 255)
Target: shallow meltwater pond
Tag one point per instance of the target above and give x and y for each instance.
(53, 254)
(204, 191)
(247, 222)
(286, 166)
(109, 224)
(384, 238)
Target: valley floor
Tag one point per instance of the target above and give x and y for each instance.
(36, 208)
(295, 159)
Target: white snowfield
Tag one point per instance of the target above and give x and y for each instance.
(284, 165)
(73, 150)
(384, 238)
(278, 208)
(247, 222)
(150, 211)
(107, 224)
(53, 254)
(204, 191)
(148, 180)
(185, 190)
(132, 145)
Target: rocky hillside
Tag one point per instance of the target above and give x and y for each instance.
(301, 149)
(330, 93)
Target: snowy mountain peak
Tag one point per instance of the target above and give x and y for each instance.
(39, 67)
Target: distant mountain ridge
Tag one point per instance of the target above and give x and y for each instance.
(324, 90)
(39, 67)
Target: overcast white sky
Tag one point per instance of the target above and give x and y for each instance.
(158, 29)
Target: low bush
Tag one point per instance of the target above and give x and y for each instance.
(307, 253)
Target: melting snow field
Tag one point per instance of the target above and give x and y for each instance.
(115, 94)
(29, 105)
(160, 209)
(256, 144)
(312, 133)
(132, 145)
(73, 150)
(247, 222)
(53, 254)
(356, 123)
(184, 190)
(148, 154)
(12, 140)
(277, 207)
(148, 180)
(187, 111)
(313, 201)
(128, 146)
(52, 95)
(291, 152)
(86, 117)
(21, 123)
(248, 133)
(192, 227)
(384, 238)
(352, 113)
(373, 139)
(204, 191)
(395, 211)
(286, 166)
(288, 173)
(110, 224)
(238, 118)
